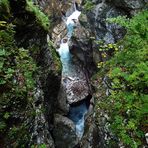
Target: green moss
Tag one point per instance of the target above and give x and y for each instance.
(41, 18)
(56, 59)
(4, 9)
(39, 146)
(89, 5)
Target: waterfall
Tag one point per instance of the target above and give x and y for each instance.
(77, 112)
(65, 57)
(71, 22)
(63, 51)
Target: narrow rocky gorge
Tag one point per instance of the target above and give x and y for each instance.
(63, 108)
(74, 95)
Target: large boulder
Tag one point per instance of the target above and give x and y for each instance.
(100, 27)
(76, 91)
(64, 132)
(81, 45)
(58, 33)
(73, 90)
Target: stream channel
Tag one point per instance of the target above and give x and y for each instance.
(78, 111)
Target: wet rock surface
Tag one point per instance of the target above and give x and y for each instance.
(64, 132)
(58, 33)
(81, 46)
(102, 29)
(76, 89)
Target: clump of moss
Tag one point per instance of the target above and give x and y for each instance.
(4, 9)
(41, 18)
(56, 59)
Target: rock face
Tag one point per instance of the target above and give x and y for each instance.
(64, 132)
(95, 22)
(39, 130)
(33, 36)
(104, 9)
(102, 30)
(81, 46)
(58, 33)
(132, 4)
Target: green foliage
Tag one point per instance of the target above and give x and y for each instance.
(16, 84)
(104, 49)
(89, 5)
(127, 105)
(17, 71)
(4, 7)
(39, 146)
(41, 18)
(56, 59)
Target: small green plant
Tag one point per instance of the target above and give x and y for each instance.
(89, 5)
(39, 146)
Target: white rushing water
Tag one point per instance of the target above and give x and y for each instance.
(65, 57)
(74, 16)
(64, 53)
(71, 22)
(76, 113)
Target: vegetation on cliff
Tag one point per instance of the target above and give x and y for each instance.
(16, 84)
(41, 18)
(17, 71)
(127, 70)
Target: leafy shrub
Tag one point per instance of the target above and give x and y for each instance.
(127, 105)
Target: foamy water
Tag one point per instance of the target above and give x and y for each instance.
(74, 16)
(77, 114)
